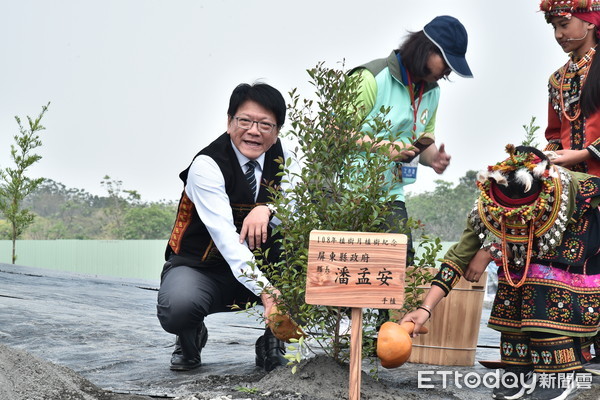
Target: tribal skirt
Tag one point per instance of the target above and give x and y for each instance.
(551, 300)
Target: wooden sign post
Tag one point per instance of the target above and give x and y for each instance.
(357, 270)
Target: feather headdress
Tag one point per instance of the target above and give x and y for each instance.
(525, 190)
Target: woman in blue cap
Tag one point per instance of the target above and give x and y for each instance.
(406, 83)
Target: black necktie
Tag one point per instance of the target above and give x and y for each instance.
(250, 177)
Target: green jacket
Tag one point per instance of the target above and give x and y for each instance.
(384, 87)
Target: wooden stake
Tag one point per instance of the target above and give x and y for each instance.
(356, 353)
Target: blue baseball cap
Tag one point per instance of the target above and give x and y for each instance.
(450, 36)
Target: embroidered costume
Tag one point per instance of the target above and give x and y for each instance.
(191, 243)
(567, 127)
(547, 247)
(574, 109)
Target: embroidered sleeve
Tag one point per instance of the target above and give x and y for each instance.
(553, 145)
(588, 186)
(594, 149)
(447, 277)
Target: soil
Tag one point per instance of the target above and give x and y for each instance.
(26, 377)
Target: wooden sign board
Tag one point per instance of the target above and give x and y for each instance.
(356, 269)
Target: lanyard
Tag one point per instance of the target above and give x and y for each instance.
(412, 102)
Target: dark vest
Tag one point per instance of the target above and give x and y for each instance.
(190, 243)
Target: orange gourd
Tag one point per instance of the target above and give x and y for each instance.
(283, 326)
(394, 343)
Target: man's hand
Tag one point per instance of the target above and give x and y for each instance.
(268, 298)
(254, 227)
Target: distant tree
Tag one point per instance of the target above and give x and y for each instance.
(442, 212)
(117, 206)
(152, 221)
(68, 213)
(4, 229)
(44, 228)
(51, 198)
(15, 186)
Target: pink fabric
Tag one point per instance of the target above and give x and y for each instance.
(537, 271)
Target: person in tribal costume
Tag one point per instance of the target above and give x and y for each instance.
(574, 94)
(540, 223)
(573, 129)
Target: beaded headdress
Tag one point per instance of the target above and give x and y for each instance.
(535, 219)
(565, 8)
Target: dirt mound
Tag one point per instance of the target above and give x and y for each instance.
(26, 377)
(321, 378)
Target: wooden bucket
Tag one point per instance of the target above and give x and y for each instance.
(453, 327)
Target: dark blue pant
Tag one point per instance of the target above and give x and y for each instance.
(187, 295)
(396, 221)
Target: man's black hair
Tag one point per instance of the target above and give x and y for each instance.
(261, 93)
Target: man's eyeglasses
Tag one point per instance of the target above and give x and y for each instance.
(263, 127)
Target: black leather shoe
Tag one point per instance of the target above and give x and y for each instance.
(515, 383)
(181, 363)
(555, 386)
(269, 352)
(259, 350)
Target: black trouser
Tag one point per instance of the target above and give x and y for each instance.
(187, 295)
(396, 221)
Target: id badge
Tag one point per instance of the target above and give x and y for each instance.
(409, 170)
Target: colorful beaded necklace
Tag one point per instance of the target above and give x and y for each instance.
(527, 259)
(571, 69)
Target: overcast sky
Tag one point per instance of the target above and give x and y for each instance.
(138, 87)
